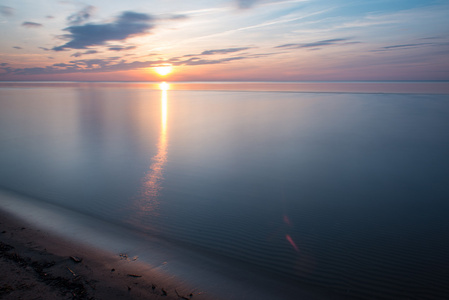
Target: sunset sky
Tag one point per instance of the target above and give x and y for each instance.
(245, 40)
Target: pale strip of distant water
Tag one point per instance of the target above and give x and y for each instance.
(403, 87)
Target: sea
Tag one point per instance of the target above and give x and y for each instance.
(246, 190)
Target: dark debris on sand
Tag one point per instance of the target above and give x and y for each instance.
(38, 270)
(70, 271)
(75, 287)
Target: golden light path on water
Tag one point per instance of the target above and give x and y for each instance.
(151, 184)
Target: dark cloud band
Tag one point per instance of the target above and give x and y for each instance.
(31, 24)
(314, 44)
(219, 51)
(128, 24)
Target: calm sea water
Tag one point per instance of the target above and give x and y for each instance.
(344, 191)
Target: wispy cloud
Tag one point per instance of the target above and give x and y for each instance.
(436, 44)
(6, 10)
(78, 54)
(121, 48)
(111, 64)
(244, 4)
(223, 51)
(407, 46)
(274, 22)
(431, 38)
(31, 24)
(196, 61)
(81, 16)
(128, 24)
(219, 51)
(176, 17)
(17, 47)
(329, 42)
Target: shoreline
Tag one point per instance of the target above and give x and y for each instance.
(38, 238)
(38, 265)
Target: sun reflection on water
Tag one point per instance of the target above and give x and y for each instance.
(151, 183)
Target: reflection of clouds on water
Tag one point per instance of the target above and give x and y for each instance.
(151, 184)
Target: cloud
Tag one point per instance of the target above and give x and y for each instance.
(244, 4)
(431, 38)
(219, 51)
(31, 24)
(172, 17)
(78, 54)
(128, 24)
(117, 63)
(6, 10)
(63, 65)
(110, 64)
(316, 44)
(17, 47)
(131, 17)
(223, 51)
(81, 16)
(178, 17)
(92, 63)
(407, 46)
(195, 61)
(121, 48)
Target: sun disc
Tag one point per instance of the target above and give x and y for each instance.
(163, 70)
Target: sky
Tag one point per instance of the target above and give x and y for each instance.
(224, 40)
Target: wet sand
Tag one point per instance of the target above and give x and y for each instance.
(39, 262)
(37, 265)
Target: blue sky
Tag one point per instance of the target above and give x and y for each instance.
(249, 40)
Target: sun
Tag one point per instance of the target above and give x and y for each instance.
(163, 70)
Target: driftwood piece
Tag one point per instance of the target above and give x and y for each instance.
(73, 273)
(76, 259)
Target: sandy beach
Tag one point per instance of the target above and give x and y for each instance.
(38, 261)
(36, 265)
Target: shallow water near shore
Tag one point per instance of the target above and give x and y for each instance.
(346, 192)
